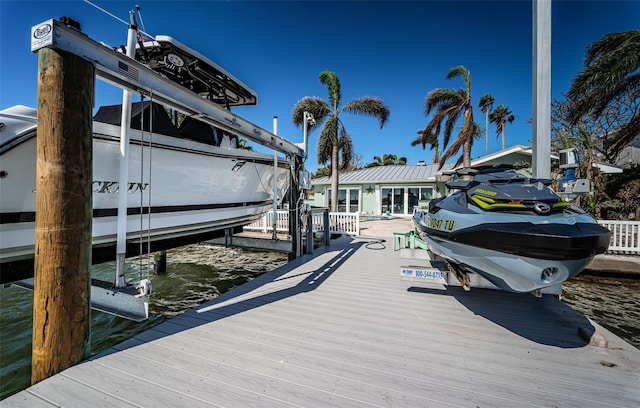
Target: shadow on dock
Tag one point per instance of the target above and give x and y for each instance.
(542, 320)
(268, 288)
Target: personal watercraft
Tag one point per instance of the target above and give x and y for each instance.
(513, 230)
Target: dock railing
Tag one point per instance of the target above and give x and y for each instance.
(265, 224)
(345, 223)
(625, 236)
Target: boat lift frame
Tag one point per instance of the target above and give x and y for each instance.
(125, 72)
(117, 69)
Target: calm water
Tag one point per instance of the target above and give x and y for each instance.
(195, 274)
(612, 303)
(198, 273)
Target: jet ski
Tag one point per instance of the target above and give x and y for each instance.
(513, 230)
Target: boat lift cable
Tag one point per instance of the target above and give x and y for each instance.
(143, 31)
(255, 166)
(148, 238)
(141, 20)
(142, 238)
(149, 258)
(140, 244)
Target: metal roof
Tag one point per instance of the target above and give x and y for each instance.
(389, 174)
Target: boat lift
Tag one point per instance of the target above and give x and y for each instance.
(124, 72)
(117, 69)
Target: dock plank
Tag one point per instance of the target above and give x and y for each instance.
(341, 329)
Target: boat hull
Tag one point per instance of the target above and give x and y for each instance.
(177, 188)
(517, 256)
(507, 272)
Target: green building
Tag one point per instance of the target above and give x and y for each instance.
(396, 190)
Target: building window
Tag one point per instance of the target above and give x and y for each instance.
(354, 200)
(348, 199)
(402, 200)
(419, 197)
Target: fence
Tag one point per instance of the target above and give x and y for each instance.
(625, 236)
(347, 223)
(265, 224)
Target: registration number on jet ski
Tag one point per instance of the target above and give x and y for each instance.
(438, 223)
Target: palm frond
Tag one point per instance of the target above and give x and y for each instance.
(611, 66)
(330, 79)
(314, 105)
(369, 106)
(425, 138)
(346, 149)
(327, 139)
(486, 103)
(442, 97)
(450, 152)
(461, 71)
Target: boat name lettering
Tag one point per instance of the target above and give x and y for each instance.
(111, 187)
(437, 223)
(233, 122)
(486, 192)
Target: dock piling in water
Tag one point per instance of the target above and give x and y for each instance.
(61, 306)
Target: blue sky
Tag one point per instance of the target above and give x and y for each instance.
(397, 51)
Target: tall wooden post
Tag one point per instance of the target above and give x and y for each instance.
(61, 304)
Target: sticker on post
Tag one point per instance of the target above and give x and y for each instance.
(42, 35)
(422, 274)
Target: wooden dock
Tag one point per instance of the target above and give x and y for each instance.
(340, 329)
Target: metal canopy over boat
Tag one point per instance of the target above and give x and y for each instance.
(194, 71)
(118, 69)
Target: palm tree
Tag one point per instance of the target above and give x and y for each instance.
(388, 160)
(334, 141)
(242, 144)
(500, 116)
(486, 104)
(611, 70)
(448, 106)
(428, 138)
(322, 172)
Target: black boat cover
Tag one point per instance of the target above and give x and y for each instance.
(140, 111)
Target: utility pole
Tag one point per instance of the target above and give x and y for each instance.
(61, 304)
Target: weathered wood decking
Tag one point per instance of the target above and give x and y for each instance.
(342, 330)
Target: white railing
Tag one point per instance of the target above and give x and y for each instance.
(265, 224)
(346, 223)
(625, 236)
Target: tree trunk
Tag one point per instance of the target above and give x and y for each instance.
(61, 306)
(334, 178)
(466, 154)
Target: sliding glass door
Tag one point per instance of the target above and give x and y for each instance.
(392, 200)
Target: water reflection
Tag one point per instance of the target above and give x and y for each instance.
(612, 303)
(195, 274)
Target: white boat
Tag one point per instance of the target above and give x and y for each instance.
(186, 184)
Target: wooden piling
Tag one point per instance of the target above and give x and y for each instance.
(61, 304)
